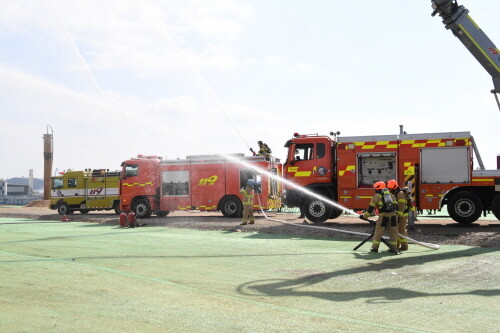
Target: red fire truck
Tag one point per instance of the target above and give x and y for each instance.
(205, 182)
(438, 168)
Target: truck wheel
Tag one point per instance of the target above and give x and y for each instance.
(465, 207)
(317, 210)
(495, 206)
(83, 208)
(63, 209)
(231, 207)
(116, 207)
(162, 213)
(335, 213)
(141, 209)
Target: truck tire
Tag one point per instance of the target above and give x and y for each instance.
(231, 207)
(317, 210)
(465, 207)
(63, 209)
(83, 208)
(141, 209)
(116, 207)
(336, 212)
(162, 213)
(495, 206)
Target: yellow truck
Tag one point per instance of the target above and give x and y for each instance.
(86, 190)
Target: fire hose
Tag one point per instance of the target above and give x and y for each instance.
(427, 245)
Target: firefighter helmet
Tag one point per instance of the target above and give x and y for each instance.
(379, 185)
(250, 182)
(392, 184)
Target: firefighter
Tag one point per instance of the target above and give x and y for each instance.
(403, 210)
(264, 150)
(385, 202)
(412, 214)
(247, 192)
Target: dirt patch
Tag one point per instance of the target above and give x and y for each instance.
(483, 233)
(39, 203)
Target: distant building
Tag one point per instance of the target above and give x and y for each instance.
(17, 190)
(37, 182)
(3, 188)
(16, 194)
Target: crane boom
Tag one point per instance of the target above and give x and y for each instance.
(456, 18)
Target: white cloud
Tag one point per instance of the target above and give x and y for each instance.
(141, 36)
(154, 36)
(103, 130)
(274, 60)
(306, 67)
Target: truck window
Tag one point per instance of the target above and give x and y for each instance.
(57, 183)
(375, 167)
(131, 170)
(304, 151)
(72, 182)
(320, 150)
(175, 183)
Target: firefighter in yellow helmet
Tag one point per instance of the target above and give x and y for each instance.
(403, 210)
(248, 192)
(385, 202)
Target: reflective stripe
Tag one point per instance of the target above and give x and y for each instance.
(477, 45)
(206, 207)
(138, 184)
(348, 168)
(370, 145)
(297, 173)
(247, 197)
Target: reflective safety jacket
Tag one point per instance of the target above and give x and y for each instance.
(264, 149)
(378, 202)
(402, 199)
(247, 195)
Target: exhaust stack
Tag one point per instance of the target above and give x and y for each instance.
(48, 153)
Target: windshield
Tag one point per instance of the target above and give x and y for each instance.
(130, 170)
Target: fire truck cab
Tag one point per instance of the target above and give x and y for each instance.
(437, 167)
(203, 182)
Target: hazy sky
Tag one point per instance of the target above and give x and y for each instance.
(119, 78)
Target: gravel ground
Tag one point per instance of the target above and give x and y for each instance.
(436, 229)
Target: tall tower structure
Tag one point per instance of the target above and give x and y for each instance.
(48, 155)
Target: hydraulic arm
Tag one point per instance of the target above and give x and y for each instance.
(456, 18)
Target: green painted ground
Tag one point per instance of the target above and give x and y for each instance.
(83, 277)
